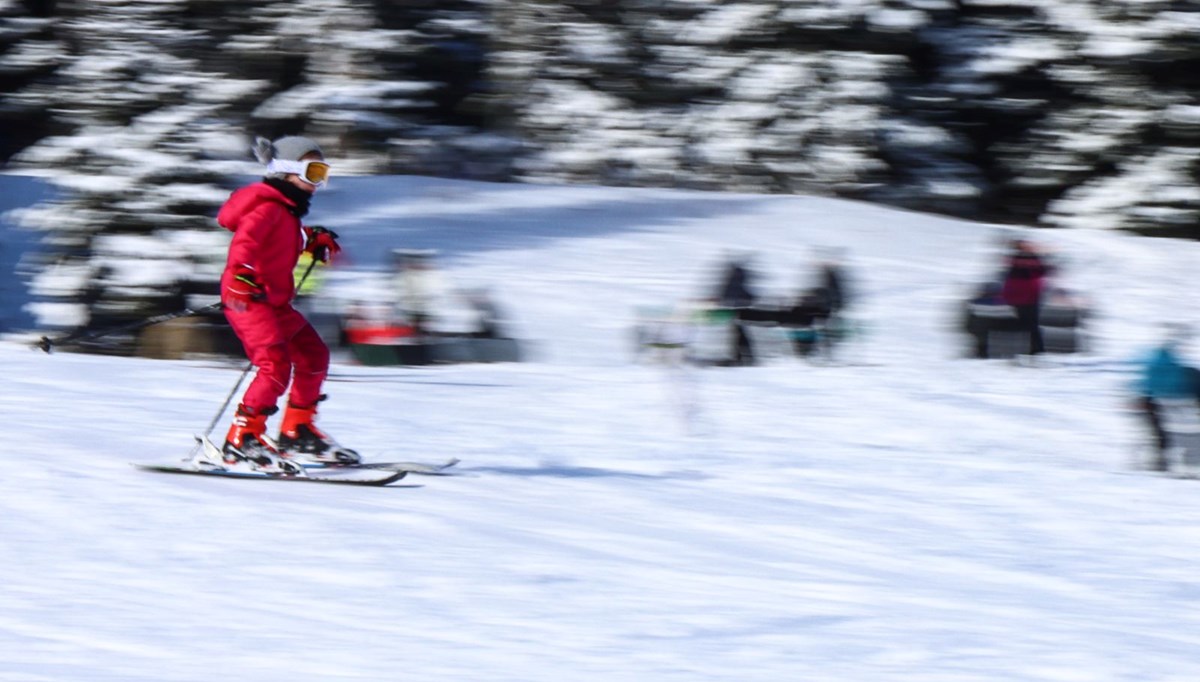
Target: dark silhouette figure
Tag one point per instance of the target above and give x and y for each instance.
(735, 294)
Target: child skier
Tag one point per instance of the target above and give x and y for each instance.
(257, 291)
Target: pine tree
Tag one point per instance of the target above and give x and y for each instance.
(138, 165)
(734, 96)
(1128, 136)
(29, 51)
(458, 135)
(382, 85)
(1077, 114)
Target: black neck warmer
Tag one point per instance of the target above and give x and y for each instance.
(293, 193)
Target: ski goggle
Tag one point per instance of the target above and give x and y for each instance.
(314, 173)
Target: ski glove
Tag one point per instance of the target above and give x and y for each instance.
(321, 243)
(245, 288)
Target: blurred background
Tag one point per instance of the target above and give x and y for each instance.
(124, 123)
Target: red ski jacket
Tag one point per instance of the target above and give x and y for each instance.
(1025, 280)
(266, 237)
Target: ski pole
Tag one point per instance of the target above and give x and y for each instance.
(228, 399)
(47, 344)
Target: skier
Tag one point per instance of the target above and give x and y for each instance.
(1164, 378)
(1024, 280)
(833, 294)
(257, 290)
(735, 294)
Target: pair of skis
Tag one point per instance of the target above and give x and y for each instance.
(367, 473)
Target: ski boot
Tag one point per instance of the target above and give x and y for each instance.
(246, 444)
(300, 438)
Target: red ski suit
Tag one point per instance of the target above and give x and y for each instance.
(277, 338)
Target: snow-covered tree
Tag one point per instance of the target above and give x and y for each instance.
(450, 134)
(139, 164)
(28, 51)
(378, 83)
(1129, 135)
(1077, 113)
(1071, 113)
(321, 60)
(730, 95)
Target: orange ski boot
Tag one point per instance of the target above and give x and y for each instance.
(247, 442)
(298, 435)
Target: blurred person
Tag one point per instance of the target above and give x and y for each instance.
(419, 287)
(833, 280)
(735, 289)
(1165, 378)
(808, 320)
(489, 318)
(257, 289)
(1025, 273)
(984, 314)
(813, 318)
(321, 311)
(735, 294)
(833, 294)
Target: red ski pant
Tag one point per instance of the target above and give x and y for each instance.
(284, 347)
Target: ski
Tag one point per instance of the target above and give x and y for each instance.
(338, 475)
(422, 468)
(207, 460)
(1178, 475)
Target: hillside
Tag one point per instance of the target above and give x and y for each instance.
(901, 514)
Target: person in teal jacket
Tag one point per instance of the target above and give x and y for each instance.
(1164, 376)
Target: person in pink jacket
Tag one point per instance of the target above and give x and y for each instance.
(1025, 274)
(257, 289)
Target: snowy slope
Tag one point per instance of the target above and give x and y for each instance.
(902, 515)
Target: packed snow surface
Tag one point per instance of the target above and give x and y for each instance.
(902, 513)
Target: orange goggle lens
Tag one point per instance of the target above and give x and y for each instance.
(316, 172)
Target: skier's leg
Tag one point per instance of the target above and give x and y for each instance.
(310, 357)
(1150, 411)
(1192, 380)
(298, 433)
(262, 337)
(271, 380)
(744, 353)
(1027, 323)
(1037, 343)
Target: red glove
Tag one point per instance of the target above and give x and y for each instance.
(321, 243)
(245, 288)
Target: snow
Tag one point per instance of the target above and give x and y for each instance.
(897, 20)
(1099, 204)
(1182, 115)
(901, 514)
(724, 23)
(590, 44)
(1019, 54)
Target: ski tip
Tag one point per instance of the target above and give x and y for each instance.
(392, 479)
